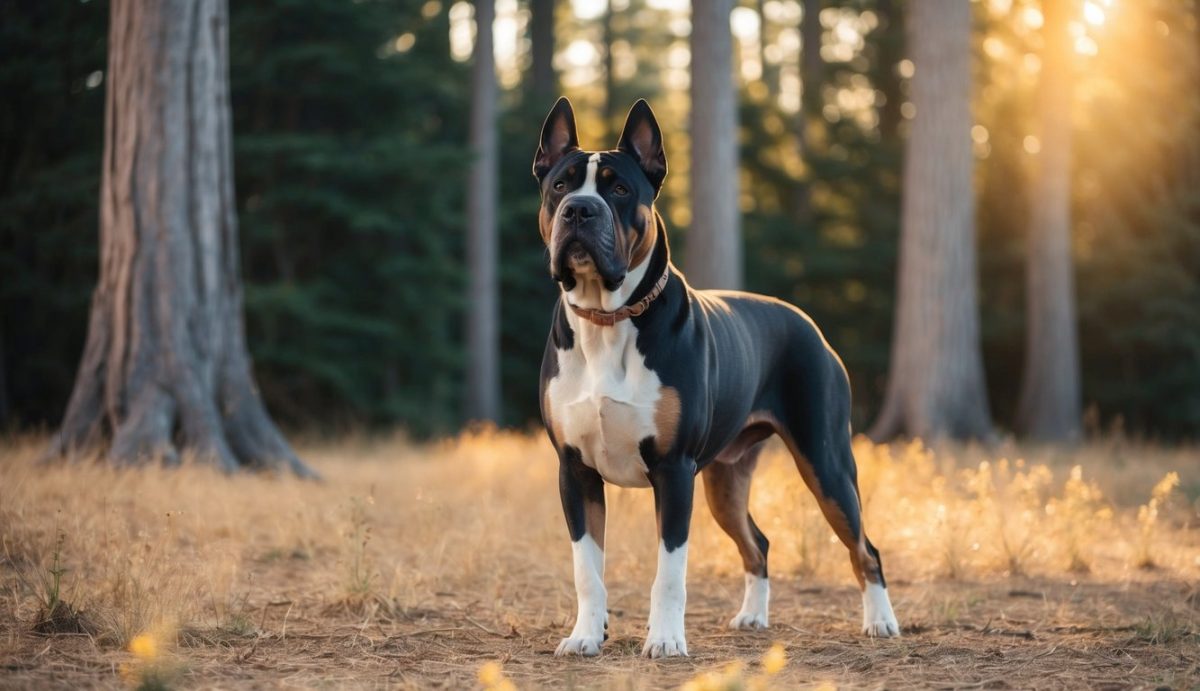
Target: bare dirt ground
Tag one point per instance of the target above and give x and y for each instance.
(416, 566)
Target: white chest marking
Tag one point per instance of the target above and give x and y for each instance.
(604, 400)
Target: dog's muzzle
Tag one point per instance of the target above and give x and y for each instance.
(585, 239)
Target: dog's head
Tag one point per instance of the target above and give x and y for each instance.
(597, 211)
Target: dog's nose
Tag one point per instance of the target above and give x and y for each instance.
(579, 210)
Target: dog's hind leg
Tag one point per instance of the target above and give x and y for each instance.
(821, 449)
(727, 488)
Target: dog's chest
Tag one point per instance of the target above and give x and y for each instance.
(604, 402)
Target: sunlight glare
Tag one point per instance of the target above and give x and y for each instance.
(404, 42)
(743, 22)
(782, 12)
(993, 46)
(589, 9)
(462, 31)
(1032, 17)
(1093, 13)
(1000, 7)
(581, 53)
(670, 5)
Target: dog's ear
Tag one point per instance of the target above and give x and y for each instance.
(642, 139)
(558, 138)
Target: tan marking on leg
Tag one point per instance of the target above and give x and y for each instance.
(555, 428)
(727, 488)
(594, 517)
(666, 419)
(829, 508)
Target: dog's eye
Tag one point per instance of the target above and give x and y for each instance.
(560, 186)
(620, 190)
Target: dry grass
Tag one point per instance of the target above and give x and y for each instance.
(419, 565)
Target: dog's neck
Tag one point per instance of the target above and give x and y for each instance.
(589, 291)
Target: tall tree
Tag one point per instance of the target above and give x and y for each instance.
(714, 242)
(165, 364)
(611, 133)
(483, 315)
(812, 76)
(935, 383)
(1050, 405)
(812, 66)
(541, 34)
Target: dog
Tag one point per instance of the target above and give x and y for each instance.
(647, 382)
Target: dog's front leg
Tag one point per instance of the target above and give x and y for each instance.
(673, 481)
(582, 492)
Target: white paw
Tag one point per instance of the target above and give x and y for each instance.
(587, 647)
(754, 605)
(749, 620)
(878, 619)
(664, 646)
(883, 628)
(668, 601)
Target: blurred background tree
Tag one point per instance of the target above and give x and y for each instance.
(351, 169)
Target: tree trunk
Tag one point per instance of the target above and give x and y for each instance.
(541, 32)
(165, 367)
(483, 314)
(610, 79)
(714, 243)
(812, 66)
(936, 384)
(812, 76)
(1050, 406)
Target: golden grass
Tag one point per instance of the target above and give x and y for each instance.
(417, 565)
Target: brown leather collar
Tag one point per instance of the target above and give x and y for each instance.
(602, 318)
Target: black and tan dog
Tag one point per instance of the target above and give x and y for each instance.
(647, 383)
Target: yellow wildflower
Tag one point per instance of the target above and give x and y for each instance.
(144, 647)
(774, 660)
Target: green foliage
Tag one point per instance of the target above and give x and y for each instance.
(1138, 249)
(350, 160)
(350, 164)
(1136, 215)
(826, 239)
(51, 134)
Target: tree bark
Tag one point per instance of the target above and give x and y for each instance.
(1050, 404)
(714, 242)
(936, 384)
(483, 314)
(165, 367)
(812, 75)
(542, 52)
(610, 79)
(812, 66)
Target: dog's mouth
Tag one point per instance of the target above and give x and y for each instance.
(575, 260)
(578, 258)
